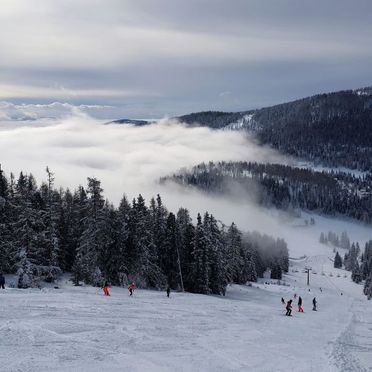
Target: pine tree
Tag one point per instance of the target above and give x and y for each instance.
(356, 274)
(368, 286)
(337, 261)
(171, 264)
(322, 239)
(233, 253)
(186, 246)
(218, 277)
(200, 270)
(276, 271)
(51, 234)
(144, 260)
(86, 264)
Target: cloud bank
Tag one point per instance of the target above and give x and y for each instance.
(125, 158)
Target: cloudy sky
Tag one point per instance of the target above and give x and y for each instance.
(152, 58)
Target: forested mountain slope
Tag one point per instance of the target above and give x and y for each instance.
(284, 187)
(333, 129)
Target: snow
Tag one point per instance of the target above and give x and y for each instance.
(322, 168)
(78, 329)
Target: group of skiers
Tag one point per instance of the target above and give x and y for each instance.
(288, 305)
(131, 288)
(106, 288)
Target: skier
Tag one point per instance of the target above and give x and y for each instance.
(131, 288)
(300, 310)
(2, 281)
(105, 288)
(283, 302)
(314, 304)
(295, 296)
(168, 291)
(289, 308)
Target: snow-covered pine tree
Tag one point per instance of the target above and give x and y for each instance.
(322, 238)
(351, 257)
(111, 254)
(144, 260)
(25, 272)
(171, 265)
(123, 217)
(86, 263)
(233, 253)
(248, 271)
(337, 261)
(218, 277)
(51, 219)
(344, 241)
(356, 273)
(158, 221)
(186, 243)
(200, 269)
(276, 271)
(7, 249)
(29, 228)
(368, 286)
(367, 260)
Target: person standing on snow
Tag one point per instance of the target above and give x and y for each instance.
(300, 310)
(314, 304)
(168, 291)
(289, 308)
(131, 288)
(283, 302)
(2, 281)
(105, 289)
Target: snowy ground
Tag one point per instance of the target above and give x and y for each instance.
(78, 329)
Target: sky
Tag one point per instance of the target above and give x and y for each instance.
(157, 58)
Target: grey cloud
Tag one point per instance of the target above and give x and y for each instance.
(150, 58)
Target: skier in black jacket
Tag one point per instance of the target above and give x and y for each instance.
(289, 308)
(300, 310)
(314, 304)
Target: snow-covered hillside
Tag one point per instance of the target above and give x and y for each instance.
(78, 329)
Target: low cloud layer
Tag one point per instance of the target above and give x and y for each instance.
(125, 158)
(23, 112)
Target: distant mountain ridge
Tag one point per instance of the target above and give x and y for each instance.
(334, 129)
(130, 121)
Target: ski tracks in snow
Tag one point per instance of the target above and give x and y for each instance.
(351, 349)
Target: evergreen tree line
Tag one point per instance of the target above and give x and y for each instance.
(286, 187)
(360, 266)
(350, 262)
(332, 238)
(366, 269)
(45, 231)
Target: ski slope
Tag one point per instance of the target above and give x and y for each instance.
(78, 329)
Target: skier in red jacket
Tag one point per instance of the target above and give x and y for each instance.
(131, 288)
(106, 290)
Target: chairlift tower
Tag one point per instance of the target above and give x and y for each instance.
(308, 274)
